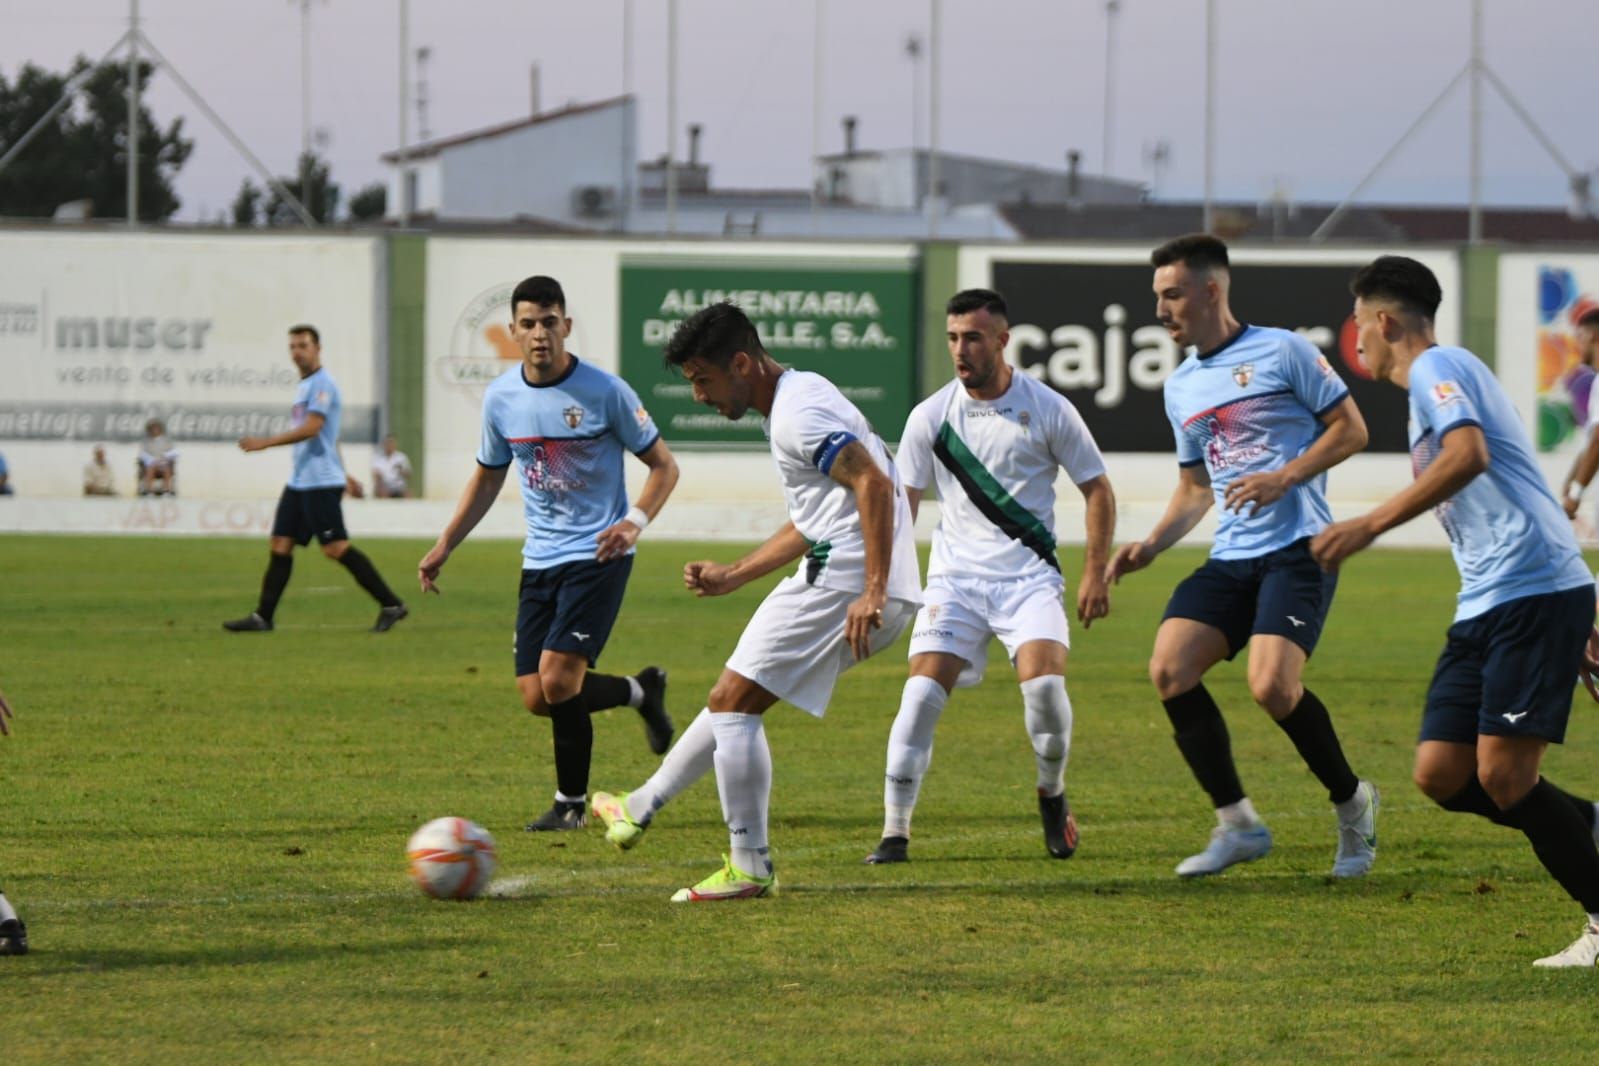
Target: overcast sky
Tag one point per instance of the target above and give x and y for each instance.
(1310, 93)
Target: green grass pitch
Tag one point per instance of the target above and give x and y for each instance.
(204, 832)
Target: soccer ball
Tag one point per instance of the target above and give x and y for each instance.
(451, 858)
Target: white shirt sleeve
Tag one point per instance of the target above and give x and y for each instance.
(1073, 446)
(915, 454)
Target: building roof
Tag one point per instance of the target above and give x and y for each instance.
(434, 147)
(1371, 223)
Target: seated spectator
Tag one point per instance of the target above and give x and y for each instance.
(97, 475)
(158, 462)
(391, 471)
(5, 477)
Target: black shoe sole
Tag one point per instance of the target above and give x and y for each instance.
(886, 852)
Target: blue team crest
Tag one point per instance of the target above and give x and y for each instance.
(573, 416)
(1242, 373)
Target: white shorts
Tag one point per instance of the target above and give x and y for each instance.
(960, 614)
(794, 646)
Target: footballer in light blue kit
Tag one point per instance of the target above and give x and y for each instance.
(1501, 690)
(566, 426)
(311, 504)
(1259, 417)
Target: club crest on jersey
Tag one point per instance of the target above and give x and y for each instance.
(1243, 373)
(1025, 418)
(932, 612)
(573, 416)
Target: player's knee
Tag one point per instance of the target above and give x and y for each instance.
(1436, 783)
(1506, 784)
(1049, 745)
(1275, 694)
(558, 686)
(336, 549)
(1170, 677)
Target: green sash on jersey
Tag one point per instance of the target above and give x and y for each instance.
(996, 505)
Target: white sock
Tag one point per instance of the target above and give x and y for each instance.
(687, 762)
(561, 797)
(6, 913)
(1048, 713)
(744, 780)
(1351, 808)
(1240, 815)
(635, 693)
(1593, 919)
(910, 750)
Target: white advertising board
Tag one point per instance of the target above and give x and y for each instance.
(100, 332)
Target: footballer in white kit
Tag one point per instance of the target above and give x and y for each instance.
(992, 442)
(853, 593)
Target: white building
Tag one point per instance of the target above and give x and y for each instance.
(577, 168)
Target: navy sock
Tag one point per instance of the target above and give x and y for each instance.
(574, 745)
(1310, 728)
(1202, 738)
(279, 567)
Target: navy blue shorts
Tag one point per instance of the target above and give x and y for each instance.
(1510, 671)
(569, 608)
(306, 513)
(1282, 593)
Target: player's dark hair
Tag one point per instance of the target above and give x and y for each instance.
(541, 290)
(308, 330)
(714, 334)
(1196, 251)
(1400, 279)
(970, 301)
(1589, 319)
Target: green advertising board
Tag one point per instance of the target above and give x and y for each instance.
(854, 323)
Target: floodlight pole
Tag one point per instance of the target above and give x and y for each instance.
(1474, 225)
(135, 38)
(816, 110)
(1210, 114)
(1477, 69)
(1112, 8)
(404, 189)
(934, 91)
(133, 113)
(671, 116)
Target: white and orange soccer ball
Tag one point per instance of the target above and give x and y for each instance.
(451, 858)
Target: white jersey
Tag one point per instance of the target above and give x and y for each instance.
(811, 422)
(994, 464)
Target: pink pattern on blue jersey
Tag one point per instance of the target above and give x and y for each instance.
(1250, 407)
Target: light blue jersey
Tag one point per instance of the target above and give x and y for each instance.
(316, 459)
(1250, 406)
(567, 438)
(1509, 536)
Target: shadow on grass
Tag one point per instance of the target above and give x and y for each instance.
(47, 962)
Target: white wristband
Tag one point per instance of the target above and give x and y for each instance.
(637, 516)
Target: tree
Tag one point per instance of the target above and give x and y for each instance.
(246, 205)
(81, 154)
(370, 202)
(313, 187)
